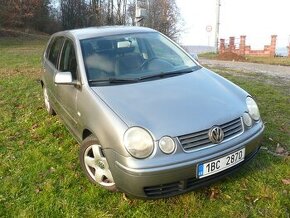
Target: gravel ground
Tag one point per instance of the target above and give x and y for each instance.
(280, 72)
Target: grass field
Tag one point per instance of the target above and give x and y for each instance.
(41, 177)
(283, 61)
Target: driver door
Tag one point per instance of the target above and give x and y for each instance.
(67, 94)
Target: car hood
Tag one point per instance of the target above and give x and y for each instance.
(176, 105)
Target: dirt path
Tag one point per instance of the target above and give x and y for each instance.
(281, 72)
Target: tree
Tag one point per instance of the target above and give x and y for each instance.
(163, 16)
(52, 15)
(73, 13)
(32, 14)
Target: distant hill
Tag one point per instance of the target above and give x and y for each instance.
(198, 49)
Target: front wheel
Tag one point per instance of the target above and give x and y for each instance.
(95, 164)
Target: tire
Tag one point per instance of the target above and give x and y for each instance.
(47, 103)
(95, 164)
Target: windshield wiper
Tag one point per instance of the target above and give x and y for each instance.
(134, 80)
(170, 73)
(113, 80)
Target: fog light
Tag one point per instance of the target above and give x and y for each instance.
(247, 119)
(167, 145)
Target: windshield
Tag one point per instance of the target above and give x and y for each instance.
(133, 57)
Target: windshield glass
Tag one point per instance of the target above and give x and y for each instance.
(132, 57)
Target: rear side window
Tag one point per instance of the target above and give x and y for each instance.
(55, 50)
(68, 59)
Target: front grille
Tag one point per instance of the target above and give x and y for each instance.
(232, 128)
(170, 189)
(200, 139)
(162, 190)
(182, 186)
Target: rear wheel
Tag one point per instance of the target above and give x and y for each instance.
(47, 102)
(95, 164)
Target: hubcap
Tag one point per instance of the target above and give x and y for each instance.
(101, 165)
(97, 166)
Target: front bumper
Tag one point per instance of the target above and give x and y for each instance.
(177, 178)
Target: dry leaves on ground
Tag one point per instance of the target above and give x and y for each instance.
(286, 181)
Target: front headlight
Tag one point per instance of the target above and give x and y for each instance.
(138, 142)
(253, 109)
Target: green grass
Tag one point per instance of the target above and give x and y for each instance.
(19, 53)
(283, 61)
(40, 173)
(208, 55)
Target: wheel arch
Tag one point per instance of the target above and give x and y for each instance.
(86, 133)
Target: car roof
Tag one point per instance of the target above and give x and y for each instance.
(92, 32)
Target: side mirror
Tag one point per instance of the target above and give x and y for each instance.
(63, 78)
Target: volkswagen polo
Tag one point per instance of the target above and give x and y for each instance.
(151, 121)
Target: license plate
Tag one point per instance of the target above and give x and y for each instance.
(218, 165)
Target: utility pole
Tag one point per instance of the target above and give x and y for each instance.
(141, 11)
(136, 9)
(217, 27)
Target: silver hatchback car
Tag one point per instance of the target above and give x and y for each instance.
(151, 121)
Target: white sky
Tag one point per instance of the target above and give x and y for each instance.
(258, 19)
